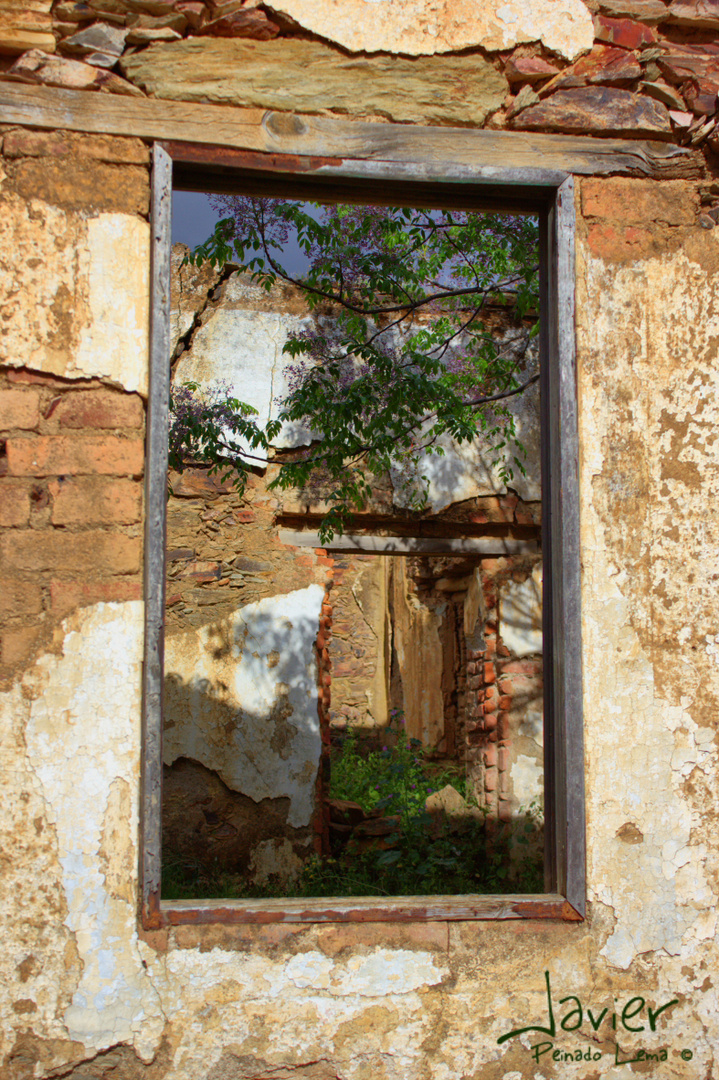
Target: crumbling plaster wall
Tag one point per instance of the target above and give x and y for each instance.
(425, 1000)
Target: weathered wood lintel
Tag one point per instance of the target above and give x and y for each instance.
(444, 151)
(366, 909)
(485, 546)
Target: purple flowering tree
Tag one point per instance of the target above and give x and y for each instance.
(399, 355)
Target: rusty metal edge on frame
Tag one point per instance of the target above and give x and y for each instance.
(564, 764)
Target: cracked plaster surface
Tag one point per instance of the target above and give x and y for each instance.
(420, 27)
(648, 391)
(73, 291)
(81, 737)
(250, 713)
(240, 346)
(70, 757)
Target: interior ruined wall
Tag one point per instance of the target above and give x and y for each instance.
(242, 743)
(85, 994)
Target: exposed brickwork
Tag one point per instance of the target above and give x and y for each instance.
(70, 504)
(499, 689)
(324, 699)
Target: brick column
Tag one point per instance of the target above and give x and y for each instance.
(324, 697)
(71, 465)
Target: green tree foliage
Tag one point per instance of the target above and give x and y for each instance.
(398, 357)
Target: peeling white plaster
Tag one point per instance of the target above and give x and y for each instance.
(242, 348)
(115, 343)
(83, 733)
(520, 614)
(242, 695)
(75, 295)
(527, 780)
(640, 747)
(379, 973)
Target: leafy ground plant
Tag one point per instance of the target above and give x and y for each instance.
(420, 855)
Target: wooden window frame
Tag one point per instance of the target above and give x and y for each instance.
(408, 176)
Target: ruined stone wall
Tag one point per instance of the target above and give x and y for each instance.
(84, 993)
(242, 752)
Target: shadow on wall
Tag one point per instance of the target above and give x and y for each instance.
(241, 704)
(208, 829)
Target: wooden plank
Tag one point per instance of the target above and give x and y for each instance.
(485, 546)
(366, 909)
(438, 150)
(549, 433)
(567, 613)
(155, 534)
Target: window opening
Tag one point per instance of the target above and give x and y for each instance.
(274, 714)
(386, 761)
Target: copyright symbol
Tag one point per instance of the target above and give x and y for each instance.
(686, 1055)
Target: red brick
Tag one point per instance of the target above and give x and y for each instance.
(640, 201)
(490, 722)
(504, 758)
(17, 644)
(505, 686)
(504, 812)
(98, 409)
(35, 378)
(245, 517)
(58, 455)
(95, 500)
(504, 778)
(14, 504)
(19, 409)
(521, 667)
(67, 596)
(122, 151)
(617, 244)
(489, 673)
(528, 514)
(490, 779)
(489, 755)
(503, 726)
(19, 597)
(504, 703)
(503, 651)
(56, 549)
